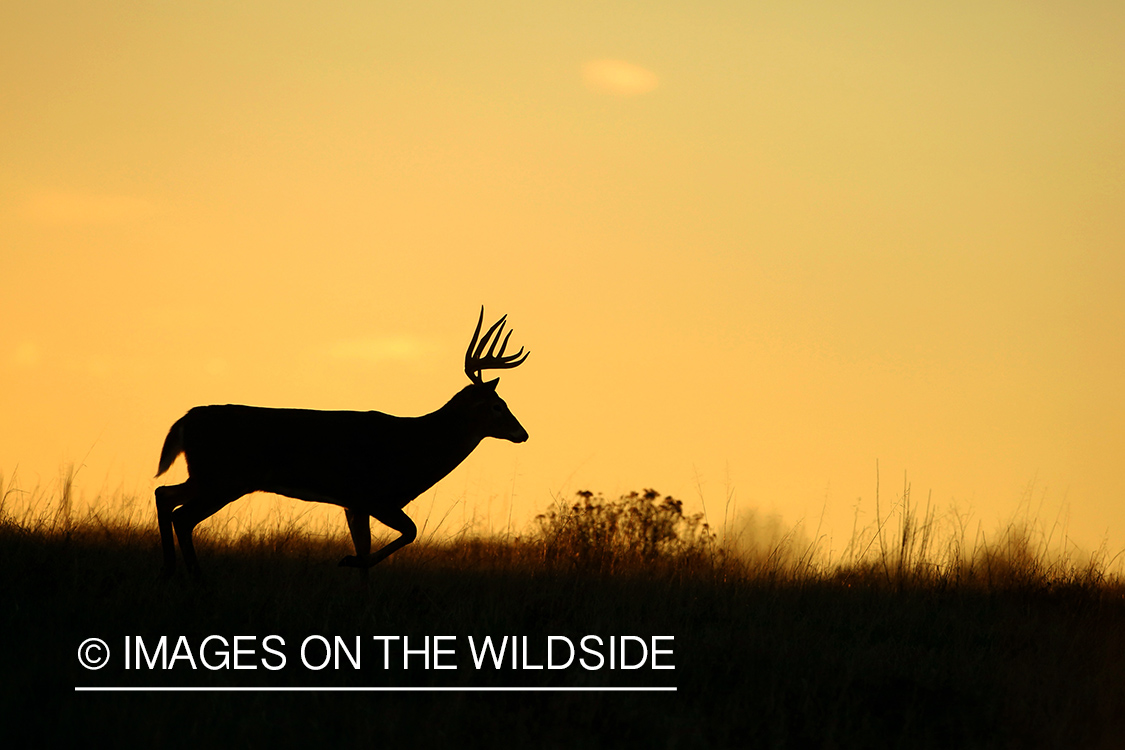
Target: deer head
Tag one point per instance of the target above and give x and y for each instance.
(493, 413)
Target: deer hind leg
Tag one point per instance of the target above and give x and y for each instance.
(206, 503)
(397, 520)
(167, 500)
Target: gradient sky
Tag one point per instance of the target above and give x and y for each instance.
(753, 247)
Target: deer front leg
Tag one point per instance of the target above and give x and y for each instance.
(359, 524)
(397, 520)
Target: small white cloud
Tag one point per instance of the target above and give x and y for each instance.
(619, 77)
(85, 208)
(374, 350)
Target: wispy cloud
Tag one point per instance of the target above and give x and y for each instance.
(85, 208)
(619, 77)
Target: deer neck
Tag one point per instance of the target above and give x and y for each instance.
(452, 433)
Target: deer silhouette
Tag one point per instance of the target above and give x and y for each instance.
(369, 463)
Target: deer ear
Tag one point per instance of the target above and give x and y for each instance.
(492, 383)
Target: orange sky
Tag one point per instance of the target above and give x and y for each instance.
(751, 246)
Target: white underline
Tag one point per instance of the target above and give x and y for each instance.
(366, 689)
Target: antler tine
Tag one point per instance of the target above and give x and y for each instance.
(511, 357)
(510, 362)
(499, 333)
(488, 334)
(474, 374)
(499, 361)
(476, 333)
(503, 363)
(503, 346)
(477, 359)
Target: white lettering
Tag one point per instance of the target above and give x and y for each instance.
(438, 651)
(497, 659)
(327, 652)
(225, 654)
(551, 651)
(266, 646)
(601, 659)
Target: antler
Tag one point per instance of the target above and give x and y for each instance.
(475, 363)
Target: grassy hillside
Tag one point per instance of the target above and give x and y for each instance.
(911, 643)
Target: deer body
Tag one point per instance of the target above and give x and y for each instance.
(370, 463)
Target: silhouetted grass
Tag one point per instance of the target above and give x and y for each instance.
(913, 638)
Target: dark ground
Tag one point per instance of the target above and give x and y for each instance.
(759, 663)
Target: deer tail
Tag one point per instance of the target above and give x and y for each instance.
(173, 445)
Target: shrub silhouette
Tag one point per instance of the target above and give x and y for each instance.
(639, 527)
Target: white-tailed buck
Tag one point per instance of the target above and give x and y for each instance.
(369, 463)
